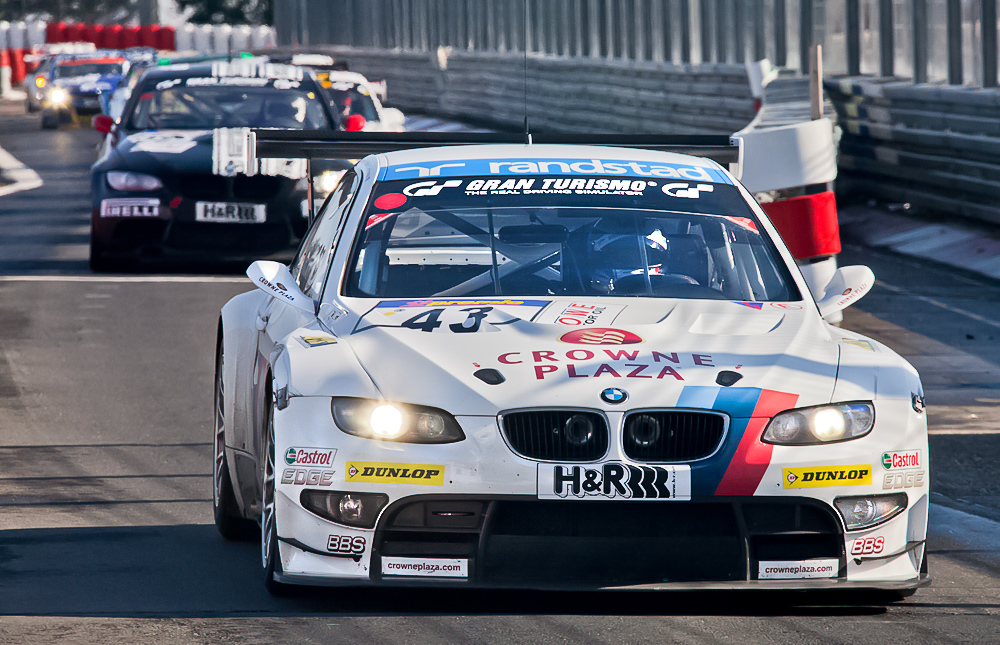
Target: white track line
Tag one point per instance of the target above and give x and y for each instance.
(22, 177)
(124, 278)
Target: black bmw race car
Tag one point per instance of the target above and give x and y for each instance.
(172, 176)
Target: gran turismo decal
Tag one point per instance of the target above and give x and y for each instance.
(307, 477)
(901, 459)
(346, 544)
(903, 479)
(614, 481)
(310, 456)
(555, 185)
(430, 188)
(130, 207)
(815, 477)
(686, 191)
(380, 473)
(317, 341)
(868, 545)
(790, 569)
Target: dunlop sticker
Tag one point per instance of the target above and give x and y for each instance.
(379, 473)
(815, 477)
(317, 341)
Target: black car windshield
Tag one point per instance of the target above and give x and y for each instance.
(351, 98)
(567, 236)
(186, 104)
(86, 69)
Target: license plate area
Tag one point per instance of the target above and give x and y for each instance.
(230, 213)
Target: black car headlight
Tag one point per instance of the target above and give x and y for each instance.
(821, 424)
(133, 181)
(866, 511)
(59, 96)
(401, 422)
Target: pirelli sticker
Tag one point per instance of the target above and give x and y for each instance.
(815, 477)
(369, 472)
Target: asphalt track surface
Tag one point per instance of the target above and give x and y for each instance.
(105, 462)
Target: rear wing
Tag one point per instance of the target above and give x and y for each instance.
(318, 144)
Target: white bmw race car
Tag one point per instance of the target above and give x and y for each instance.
(559, 366)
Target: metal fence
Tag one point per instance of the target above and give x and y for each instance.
(952, 41)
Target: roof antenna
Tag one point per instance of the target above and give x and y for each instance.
(524, 43)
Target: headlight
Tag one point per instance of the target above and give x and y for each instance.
(864, 512)
(822, 424)
(40, 81)
(395, 421)
(352, 509)
(120, 180)
(58, 96)
(327, 182)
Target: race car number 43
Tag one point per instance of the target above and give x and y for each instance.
(614, 481)
(226, 212)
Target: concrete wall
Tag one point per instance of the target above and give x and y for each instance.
(564, 94)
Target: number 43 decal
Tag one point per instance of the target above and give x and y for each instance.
(431, 319)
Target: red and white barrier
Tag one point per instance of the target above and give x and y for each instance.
(201, 38)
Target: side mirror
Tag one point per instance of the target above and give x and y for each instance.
(102, 123)
(274, 279)
(848, 285)
(354, 123)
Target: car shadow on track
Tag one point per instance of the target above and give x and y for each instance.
(189, 571)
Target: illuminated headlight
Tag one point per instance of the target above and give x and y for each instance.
(352, 509)
(395, 421)
(327, 182)
(40, 81)
(823, 424)
(121, 180)
(59, 96)
(866, 511)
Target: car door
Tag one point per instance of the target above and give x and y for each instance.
(276, 320)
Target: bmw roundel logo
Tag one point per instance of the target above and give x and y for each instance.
(614, 395)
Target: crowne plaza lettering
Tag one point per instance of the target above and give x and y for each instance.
(616, 363)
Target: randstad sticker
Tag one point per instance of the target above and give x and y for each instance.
(378, 473)
(827, 476)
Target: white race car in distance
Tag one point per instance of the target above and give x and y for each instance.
(561, 366)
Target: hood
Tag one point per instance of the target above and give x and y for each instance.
(565, 352)
(90, 83)
(175, 151)
(219, 152)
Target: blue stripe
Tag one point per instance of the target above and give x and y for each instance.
(605, 168)
(739, 403)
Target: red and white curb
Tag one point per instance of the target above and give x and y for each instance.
(19, 176)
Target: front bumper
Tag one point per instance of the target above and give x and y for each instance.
(487, 513)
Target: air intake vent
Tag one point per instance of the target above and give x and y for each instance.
(676, 435)
(557, 435)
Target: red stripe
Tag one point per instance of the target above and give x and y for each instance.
(753, 456)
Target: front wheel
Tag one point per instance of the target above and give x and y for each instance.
(228, 520)
(269, 553)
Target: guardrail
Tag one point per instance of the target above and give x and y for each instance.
(934, 146)
(563, 94)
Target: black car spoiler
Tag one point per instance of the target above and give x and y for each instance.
(266, 143)
(317, 144)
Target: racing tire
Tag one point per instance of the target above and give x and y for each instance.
(29, 107)
(228, 520)
(49, 124)
(269, 554)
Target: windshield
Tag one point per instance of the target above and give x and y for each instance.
(184, 104)
(86, 69)
(567, 236)
(350, 98)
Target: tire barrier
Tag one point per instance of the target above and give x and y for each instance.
(932, 145)
(564, 94)
(4, 72)
(218, 39)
